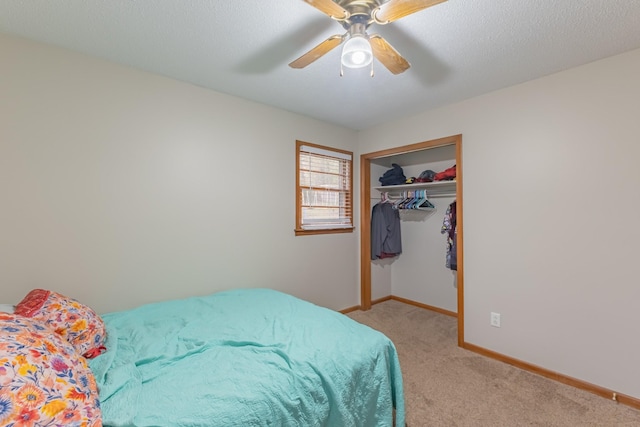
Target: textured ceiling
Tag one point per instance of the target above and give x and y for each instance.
(457, 49)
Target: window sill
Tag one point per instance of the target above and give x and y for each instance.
(301, 232)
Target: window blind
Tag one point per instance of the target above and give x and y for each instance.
(325, 189)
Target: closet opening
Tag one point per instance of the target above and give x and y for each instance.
(438, 152)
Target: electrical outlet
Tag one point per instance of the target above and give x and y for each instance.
(495, 319)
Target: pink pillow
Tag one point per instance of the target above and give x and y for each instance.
(43, 380)
(77, 323)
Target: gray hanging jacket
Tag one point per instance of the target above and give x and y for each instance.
(385, 231)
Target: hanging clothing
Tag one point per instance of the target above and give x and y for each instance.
(449, 228)
(386, 241)
(453, 253)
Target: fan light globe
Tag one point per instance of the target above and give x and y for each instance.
(356, 52)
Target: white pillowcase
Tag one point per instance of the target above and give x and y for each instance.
(7, 308)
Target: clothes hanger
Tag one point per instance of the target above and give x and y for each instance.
(398, 202)
(407, 201)
(421, 197)
(384, 197)
(418, 199)
(426, 204)
(415, 200)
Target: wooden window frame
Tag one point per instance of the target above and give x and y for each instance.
(300, 230)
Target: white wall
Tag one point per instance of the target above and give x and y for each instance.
(551, 200)
(119, 187)
(420, 273)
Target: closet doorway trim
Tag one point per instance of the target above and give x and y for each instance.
(365, 218)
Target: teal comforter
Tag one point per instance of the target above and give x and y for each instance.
(248, 357)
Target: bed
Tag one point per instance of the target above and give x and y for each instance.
(245, 357)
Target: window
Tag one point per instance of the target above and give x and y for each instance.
(324, 189)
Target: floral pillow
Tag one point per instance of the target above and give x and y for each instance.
(77, 323)
(43, 380)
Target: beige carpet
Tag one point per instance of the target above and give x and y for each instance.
(445, 385)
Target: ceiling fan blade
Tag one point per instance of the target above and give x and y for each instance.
(396, 9)
(317, 51)
(386, 54)
(332, 9)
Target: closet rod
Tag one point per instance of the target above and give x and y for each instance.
(429, 196)
(432, 196)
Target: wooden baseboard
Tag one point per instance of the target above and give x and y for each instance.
(350, 309)
(403, 300)
(564, 379)
(425, 306)
(583, 385)
(379, 300)
(358, 307)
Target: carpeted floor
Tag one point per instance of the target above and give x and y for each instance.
(445, 385)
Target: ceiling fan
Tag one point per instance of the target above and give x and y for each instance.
(356, 16)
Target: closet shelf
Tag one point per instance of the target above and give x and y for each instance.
(436, 188)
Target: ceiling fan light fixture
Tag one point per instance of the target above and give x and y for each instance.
(356, 52)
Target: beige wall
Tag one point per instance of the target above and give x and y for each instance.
(551, 201)
(420, 273)
(119, 187)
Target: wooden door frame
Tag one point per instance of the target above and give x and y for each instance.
(365, 218)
